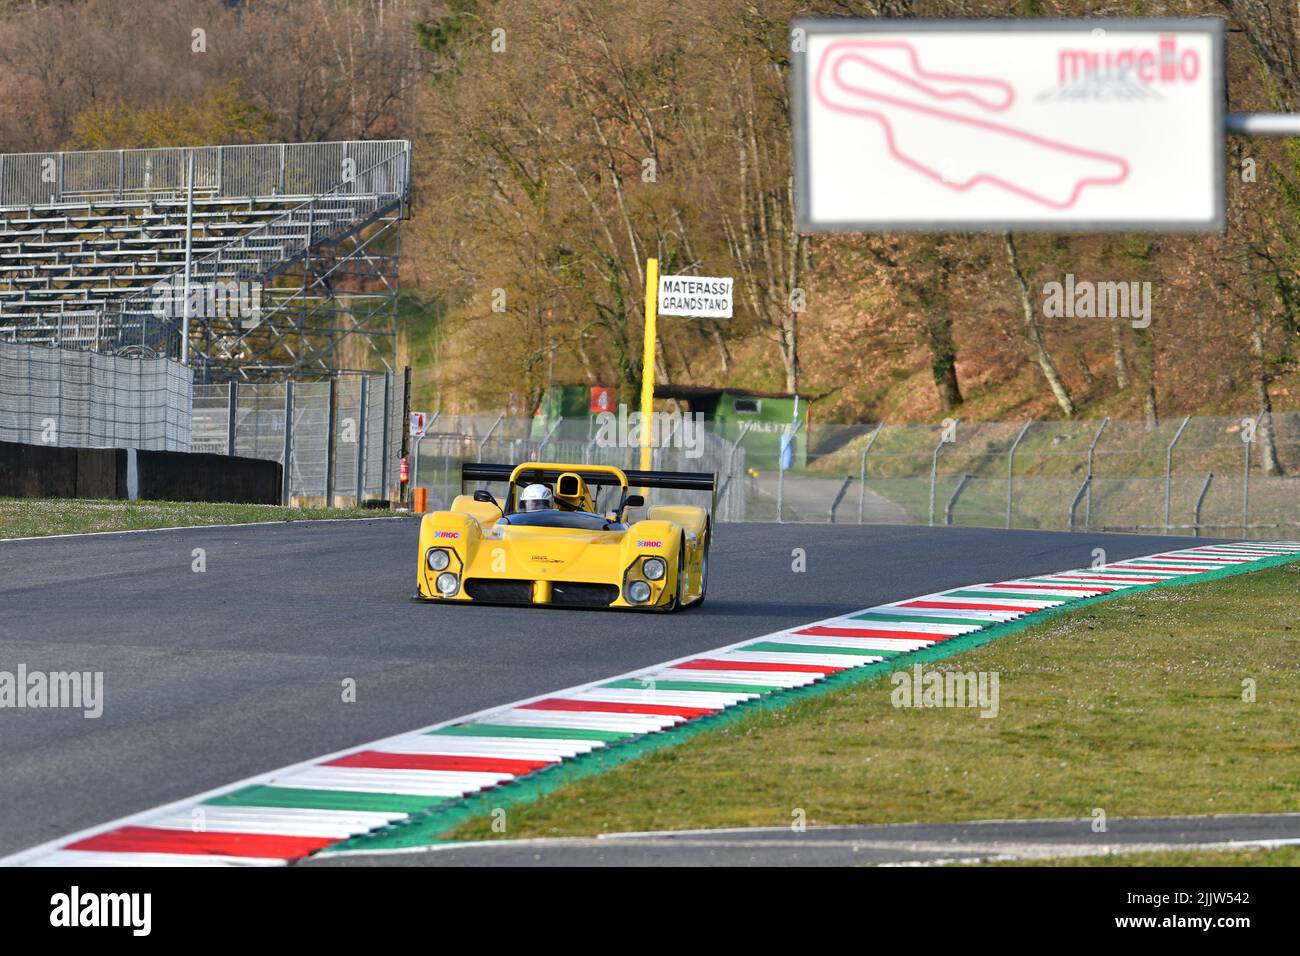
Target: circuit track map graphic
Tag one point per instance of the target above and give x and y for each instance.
(916, 125)
(868, 54)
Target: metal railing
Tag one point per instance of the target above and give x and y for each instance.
(220, 172)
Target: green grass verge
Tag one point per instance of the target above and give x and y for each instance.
(1251, 856)
(1133, 705)
(33, 517)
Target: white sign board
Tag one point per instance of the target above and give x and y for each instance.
(996, 125)
(419, 422)
(705, 297)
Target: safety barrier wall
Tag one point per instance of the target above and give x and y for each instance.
(49, 471)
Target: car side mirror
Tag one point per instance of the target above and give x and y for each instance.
(635, 501)
(485, 496)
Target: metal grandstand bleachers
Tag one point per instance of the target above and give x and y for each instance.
(287, 254)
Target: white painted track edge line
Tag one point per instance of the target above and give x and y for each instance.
(198, 527)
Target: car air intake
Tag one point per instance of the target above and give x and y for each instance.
(499, 592)
(574, 594)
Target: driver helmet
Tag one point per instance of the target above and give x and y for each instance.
(536, 498)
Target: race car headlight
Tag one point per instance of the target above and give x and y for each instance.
(448, 584)
(638, 592)
(438, 559)
(654, 568)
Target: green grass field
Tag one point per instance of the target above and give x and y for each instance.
(32, 517)
(1134, 706)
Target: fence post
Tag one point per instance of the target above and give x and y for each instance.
(862, 471)
(1087, 510)
(1011, 457)
(934, 467)
(500, 419)
(414, 481)
(404, 433)
(361, 440)
(721, 492)
(286, 455)
(1245, 491)
(1084, 488)
(541, 449)
(1169, 466)
(232, 408)
(780, 471)
(388, 434)
(952, 499)
(1245, 485)
(331, 441)
(189, 260)
(848, 480)
(1200, 499)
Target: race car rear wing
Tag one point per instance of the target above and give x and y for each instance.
(682, 480)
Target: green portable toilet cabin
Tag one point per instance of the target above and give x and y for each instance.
(770, 416)
(726, 411)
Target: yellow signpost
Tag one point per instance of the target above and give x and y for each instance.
(648, 358)
(701, 297)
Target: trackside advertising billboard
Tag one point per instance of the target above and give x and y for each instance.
(992, 125)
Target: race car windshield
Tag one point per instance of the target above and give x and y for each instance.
(522, 507)
(575, 520)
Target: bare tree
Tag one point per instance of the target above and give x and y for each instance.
(1035, 332)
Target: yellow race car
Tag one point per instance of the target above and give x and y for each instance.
(549, 540)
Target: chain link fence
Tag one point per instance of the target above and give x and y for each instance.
(1193, 476)
(343, 442)
(1212, 475)
(51, 396)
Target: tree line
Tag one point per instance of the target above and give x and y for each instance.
(559, 143)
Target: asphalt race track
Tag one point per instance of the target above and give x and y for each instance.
(899, 844)
(214, 676)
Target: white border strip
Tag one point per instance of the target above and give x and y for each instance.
(203, 527)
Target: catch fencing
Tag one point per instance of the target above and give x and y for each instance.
(343, 441)
(1212, 475)
(52, 396)
(1193, 475)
